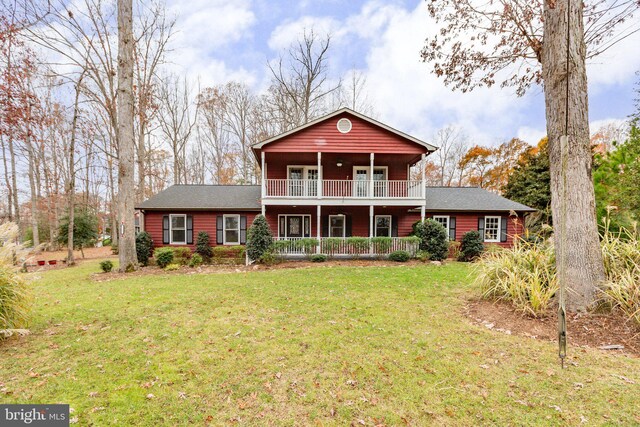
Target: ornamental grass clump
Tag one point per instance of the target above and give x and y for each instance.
(621, 254)
(15, 298)
(524, 275)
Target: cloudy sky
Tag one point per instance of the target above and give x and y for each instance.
(221, 40)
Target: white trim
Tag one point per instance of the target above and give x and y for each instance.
(375, 225)
(344, 225)
(497, 239)
(224, 229)
(444, 217)
(344, 120)
(302, 225)
(171, 242)
(429, 147)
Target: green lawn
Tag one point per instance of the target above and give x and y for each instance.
(321, 346)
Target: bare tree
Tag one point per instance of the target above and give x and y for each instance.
(240, 103)
(301, 83)
(126, 137)
(71, 184)
(452, 144)
(177, 118)
(354, 94)
(213, 113)
(519, 43)
(153, 32)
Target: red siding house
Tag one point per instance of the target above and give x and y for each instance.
(339, 176)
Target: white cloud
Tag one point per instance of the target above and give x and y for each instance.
(287, 33)
(204, 27)
(619, 63)
(531, 135)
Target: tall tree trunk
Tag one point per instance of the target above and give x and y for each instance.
(126, 139)
(7, 181)
(572, 204)
(34, 194)
(71, 187)
(14, 183)
(142, 154)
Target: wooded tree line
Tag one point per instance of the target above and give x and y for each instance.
(59, 120)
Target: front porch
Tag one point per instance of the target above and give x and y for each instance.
(345, 247)
(363, 231)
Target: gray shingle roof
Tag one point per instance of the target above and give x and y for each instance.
(470, 199)
(205, 197)
(247, 197)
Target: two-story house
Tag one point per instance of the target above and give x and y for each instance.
(339, 176)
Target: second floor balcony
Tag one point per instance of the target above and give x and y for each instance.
(355, 189)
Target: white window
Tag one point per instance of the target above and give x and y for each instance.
(383, 226)
(178, 229)
(336, 226)
(231, 229)
(491, 228)
(442, 219)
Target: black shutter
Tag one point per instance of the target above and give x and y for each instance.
(481, 227)
(347, 221)
(165, 230)
(219, 230)
(394, 226)
(503, 228)
(189, 230)
(243, 230)
(282, 225)
(452, 228)
(325, 226)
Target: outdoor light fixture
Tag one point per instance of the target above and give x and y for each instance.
(339, 163)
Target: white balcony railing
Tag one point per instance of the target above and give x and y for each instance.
(336, 246)
(344, 188)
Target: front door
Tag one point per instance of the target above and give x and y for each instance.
(294, 226)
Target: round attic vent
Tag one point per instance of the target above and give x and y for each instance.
(344, 125)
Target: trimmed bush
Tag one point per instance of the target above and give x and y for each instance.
(423, 256)
(471, 246)
(318, 258)
(196, 260)
(225, 254)
(270, 257)
(172, 267)
(203, 246)
(399, 256)
(434, 238)
(358, 245)
(144, 246)
(106, 266)
(182, 255)
(163, 256)
(259, 238)
(381, 245)
(331, 245)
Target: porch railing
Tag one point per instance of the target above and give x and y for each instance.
(343, 188)
(345, 246)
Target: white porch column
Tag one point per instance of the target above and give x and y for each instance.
(318, 228)
(263, 181)
(422, 212)
(371, 157)
(424, 176)
(371, 230)
(319, 189)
